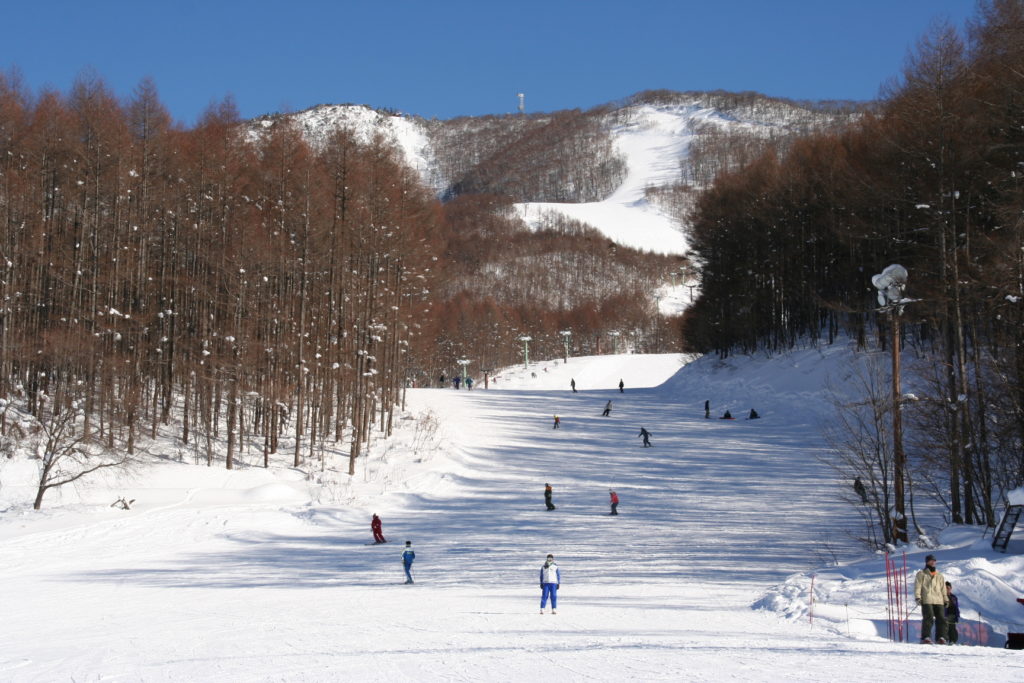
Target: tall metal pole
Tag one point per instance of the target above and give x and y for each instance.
(890, 284)
(526, 350)
(898, 455)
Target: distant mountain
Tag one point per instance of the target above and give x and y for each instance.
(628, 169)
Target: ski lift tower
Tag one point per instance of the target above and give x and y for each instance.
(522, 102)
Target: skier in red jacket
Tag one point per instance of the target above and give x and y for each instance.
(375, 526)
(615, 502)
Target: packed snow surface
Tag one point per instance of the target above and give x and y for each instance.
(268, 575)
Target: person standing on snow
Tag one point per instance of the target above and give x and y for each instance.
(858, 488)
(930, 593)
(622, 387)
(550, 580)
(408, 555)
(469, 383)
(647, 437)
(375, 527)
(572, 383)
(607, 409)
(557, 422)
(952, 615)
(547, 497)
(707, 409)
(615, 502)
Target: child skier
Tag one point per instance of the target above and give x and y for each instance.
(408, 555)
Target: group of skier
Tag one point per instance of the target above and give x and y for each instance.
(727, 415)
(457, 382)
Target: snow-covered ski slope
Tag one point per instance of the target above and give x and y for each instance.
(654, 144)
(257, 575)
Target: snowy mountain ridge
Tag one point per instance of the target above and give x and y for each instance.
(651, 132)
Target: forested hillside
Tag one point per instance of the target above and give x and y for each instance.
(930, 180)
(154, 276)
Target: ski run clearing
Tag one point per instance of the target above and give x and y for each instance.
(705, 574)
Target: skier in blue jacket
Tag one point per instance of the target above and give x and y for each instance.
(550, 578)
(407, 557)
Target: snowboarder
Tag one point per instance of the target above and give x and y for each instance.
(858, 487)
(707, 409)
(622, 387)
(547, 497)
(726, 416)
(952, 615)
(557, 421)
(753, 415)
(550, 579)
(375, 527)
(615, 502)
(607, 409)
(930, 593)
(408, 555)
(572, 383)
(647, 437)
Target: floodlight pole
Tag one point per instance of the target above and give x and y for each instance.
(565, 339)
(890, 284)
(898, 455)
(526, 350)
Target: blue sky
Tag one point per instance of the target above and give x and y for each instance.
(444, 58)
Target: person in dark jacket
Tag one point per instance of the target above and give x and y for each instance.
(408, 555)
(858, 488)
(753, 415)
(607, 409)
(547, 497)
(375, 527)
(707, 409)
(550, 580)
(622, 387)
(572, 383)
(952, 615)
(647, 437)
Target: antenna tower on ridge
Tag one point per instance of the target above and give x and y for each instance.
(522, 103)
